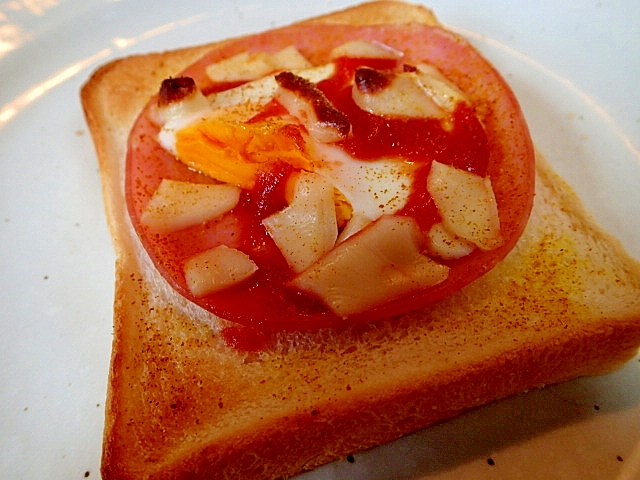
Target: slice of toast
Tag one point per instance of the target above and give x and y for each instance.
(182, 404)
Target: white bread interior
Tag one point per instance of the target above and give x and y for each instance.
(181, 404)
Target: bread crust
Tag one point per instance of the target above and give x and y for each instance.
(181, 404)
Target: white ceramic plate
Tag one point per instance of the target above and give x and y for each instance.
(575, 68)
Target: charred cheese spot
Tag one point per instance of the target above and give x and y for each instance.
(304, 100)
(175, 89)
(370, 81)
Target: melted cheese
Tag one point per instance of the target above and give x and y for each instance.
(387, 254)
(374, 188)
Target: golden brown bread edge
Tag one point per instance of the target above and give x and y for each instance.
(564, 303)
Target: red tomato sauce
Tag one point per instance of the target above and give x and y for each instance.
(489, 139)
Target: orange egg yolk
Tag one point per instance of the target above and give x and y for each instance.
(234, 153)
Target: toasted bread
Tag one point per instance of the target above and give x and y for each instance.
(182, 404)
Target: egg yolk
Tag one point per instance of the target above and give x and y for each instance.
(234, 153)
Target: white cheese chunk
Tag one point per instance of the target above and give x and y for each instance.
(423, 93)
(176, 205)
(373, 187)
(467, 205)
(248, 66)
(444, 244)
(365, 49)
(379, 264)
(443, 92)
(216, 269)
(306, 229)
(403, 96)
